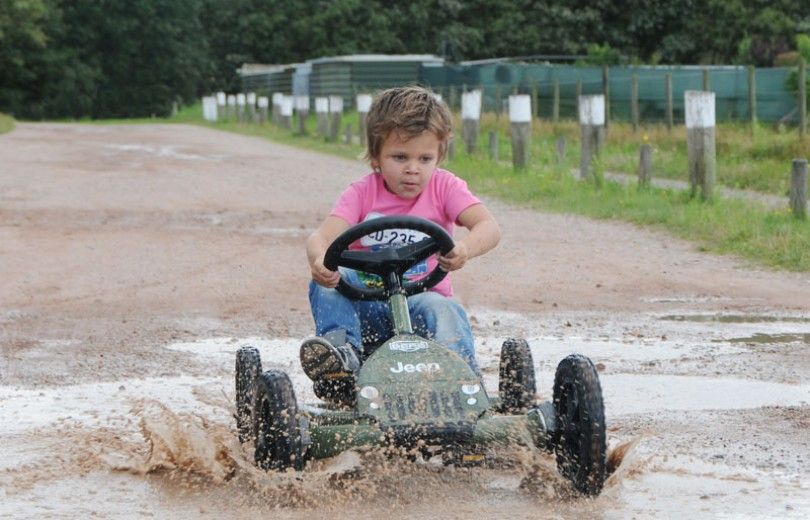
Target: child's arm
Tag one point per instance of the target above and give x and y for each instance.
(317, 243)
(484, 235)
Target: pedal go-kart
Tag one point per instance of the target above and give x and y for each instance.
(417, 394)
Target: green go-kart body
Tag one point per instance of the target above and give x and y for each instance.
(418, 395)
(413, 391)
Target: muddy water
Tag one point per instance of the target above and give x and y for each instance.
(167, 447)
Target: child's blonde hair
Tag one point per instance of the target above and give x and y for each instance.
(411, 111)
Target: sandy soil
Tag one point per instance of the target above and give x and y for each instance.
(136, 258)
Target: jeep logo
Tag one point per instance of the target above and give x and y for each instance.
(419, 367)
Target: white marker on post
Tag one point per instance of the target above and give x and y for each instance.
(699, 109)
(302, 103)
(592, 110)
(364, 103)
(335, 104)
(471, 105)
(286, 106)
(520, 109)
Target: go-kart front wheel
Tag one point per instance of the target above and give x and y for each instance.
(580, 442)
(516, 382)
(248, 371)
(278, 444)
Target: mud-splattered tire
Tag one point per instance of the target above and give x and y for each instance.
(275, 423)
(248, 371)
(580, 442)
(516, 383)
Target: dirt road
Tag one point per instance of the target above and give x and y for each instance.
(136, 258)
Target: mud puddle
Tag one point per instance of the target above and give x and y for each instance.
(167, 446)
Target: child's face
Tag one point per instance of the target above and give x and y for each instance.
(407, 164)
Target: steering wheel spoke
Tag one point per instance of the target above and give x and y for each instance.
(357, 260)
(416, 252)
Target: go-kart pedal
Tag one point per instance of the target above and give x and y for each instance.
(329, 357)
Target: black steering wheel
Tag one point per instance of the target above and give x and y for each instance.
(390, 263)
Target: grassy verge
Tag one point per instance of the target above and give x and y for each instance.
(6, 123)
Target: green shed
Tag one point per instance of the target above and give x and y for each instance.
(346, 75)
(267, 79)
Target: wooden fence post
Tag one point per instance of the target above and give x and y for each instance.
(363, 108)
(335, 116)
(802, 98)
(520, 119)
(555, 114)
(493, 145)
(798, 188)
(240, 107)
(264, 105)
(752, 96)
(634, 101)
(706, 83)
(302, 109)
(276, 114)
(231, 107)
(559, 150)
(498, 102)
(606, 91)
(579, 94)
(222, 101)
(700, 122)
(451, 98)
(535, 98)
(645, 166)
(470, 119)
(592, 123)
(668, 88)
(250, 100)
(322, 113)
(285, 112)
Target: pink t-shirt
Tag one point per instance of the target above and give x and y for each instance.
(442, 201)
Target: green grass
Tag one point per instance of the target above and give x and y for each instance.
(727, 226)
(6, 123)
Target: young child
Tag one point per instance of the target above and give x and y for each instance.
(408, 130)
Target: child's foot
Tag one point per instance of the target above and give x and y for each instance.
(323, 360)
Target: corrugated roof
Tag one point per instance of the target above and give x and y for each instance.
(379, 57)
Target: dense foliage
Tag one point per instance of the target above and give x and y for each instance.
(110, 58)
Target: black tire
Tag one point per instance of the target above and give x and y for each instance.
(580, 442)
(516, 383)
(275, 423)
(248, 371)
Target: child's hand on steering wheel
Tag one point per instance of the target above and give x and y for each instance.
(323, 276)
(456, 258)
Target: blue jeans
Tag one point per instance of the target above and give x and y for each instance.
(433, 317)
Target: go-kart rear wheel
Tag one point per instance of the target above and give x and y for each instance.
(516, 383)
(275, 423)
(580, 442)
(248, 370)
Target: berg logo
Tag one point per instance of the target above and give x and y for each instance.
(407, 346)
